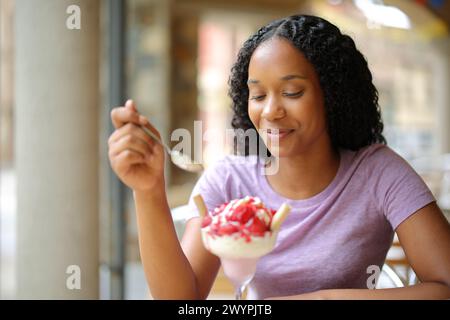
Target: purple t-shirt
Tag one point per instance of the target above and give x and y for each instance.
(327, 241)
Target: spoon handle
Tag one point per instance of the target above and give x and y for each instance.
(154, 137)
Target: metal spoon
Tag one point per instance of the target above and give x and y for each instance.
(180, 160)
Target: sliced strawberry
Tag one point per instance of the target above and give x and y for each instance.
(214, 228)
(206, 221)
(258, 227)
(235, 216)
(247, 215)
(227, 229)
(220, 209)
(248, 223)
(242, 214)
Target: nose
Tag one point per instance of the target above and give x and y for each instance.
(273, 110)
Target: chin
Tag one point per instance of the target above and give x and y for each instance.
(285, 148)
(289, 151)
(280, 152)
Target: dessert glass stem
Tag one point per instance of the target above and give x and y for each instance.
(240, 272)
(240, 289)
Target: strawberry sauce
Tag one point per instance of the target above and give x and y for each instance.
(244, 218)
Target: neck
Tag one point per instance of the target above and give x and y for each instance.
(305, 175)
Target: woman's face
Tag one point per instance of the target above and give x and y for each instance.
(285, 94)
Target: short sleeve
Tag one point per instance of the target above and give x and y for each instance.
(399, 190)
(212, 185)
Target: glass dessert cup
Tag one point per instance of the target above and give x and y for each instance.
(240, 272)
(240, 232)
(239, 256)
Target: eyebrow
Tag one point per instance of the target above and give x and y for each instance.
(292, 76)
(285, 78)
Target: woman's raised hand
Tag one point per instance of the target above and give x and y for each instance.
(135, 157)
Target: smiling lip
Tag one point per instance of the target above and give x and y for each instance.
(278, 133)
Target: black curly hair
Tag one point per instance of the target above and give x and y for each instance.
(350, 98)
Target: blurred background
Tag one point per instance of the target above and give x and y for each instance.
(60, 203)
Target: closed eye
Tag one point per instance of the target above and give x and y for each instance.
(294, 94)
(257, 98)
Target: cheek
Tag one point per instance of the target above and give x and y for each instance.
(317, 104)
(319, 114)
(254, 114)
(310, 111)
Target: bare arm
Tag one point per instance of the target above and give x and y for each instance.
(168, 272)
(204, 264)
(171, 272)
(425, 237)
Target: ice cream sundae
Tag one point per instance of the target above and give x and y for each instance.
(239, 232)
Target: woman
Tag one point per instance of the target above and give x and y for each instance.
(300, 82)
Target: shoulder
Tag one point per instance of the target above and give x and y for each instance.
(379, 153)
(396, 187)
(379, 158)
(383, 171)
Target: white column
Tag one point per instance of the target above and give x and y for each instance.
(441, 71)
(56, 148)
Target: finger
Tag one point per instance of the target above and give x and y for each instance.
(149, 126)
(131, 105)
(157, 148)
(130, 129)
(123, 115)
(132, 143)
(123, 161)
